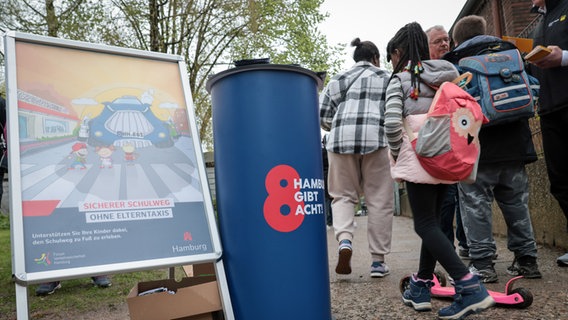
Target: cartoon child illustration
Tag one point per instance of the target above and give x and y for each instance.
(129, 155)
(105, 154)
(79, 155)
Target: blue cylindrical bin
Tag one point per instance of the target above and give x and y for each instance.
(270, 191)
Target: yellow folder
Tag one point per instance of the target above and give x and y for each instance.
(524, 45)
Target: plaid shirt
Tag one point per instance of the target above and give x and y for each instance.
(352, 109)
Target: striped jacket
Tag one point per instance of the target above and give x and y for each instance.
(404, 163)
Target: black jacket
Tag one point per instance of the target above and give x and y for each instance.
(507, 143)
(553, 30)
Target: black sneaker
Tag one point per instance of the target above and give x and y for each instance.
(525, 266)
(486, 273)
(47, 288)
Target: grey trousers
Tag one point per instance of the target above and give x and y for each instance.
(508, 185)
(353, 175)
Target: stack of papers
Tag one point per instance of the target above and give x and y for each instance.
(537, 53)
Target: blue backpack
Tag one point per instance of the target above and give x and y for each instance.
(501, 85)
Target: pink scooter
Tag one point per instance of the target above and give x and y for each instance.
(516, 298)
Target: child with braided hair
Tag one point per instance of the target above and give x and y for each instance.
(409, 95)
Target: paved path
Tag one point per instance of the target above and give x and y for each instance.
(358, 296)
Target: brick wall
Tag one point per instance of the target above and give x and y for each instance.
(515, 15)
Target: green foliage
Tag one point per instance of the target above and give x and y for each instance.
(287, 32)
(208, 34)
(7, 293)
(386, 65)
(74, 19)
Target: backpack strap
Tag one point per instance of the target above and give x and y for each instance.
(463, 80)
(343, 97)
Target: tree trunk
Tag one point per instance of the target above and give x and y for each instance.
(51, 17)
(154, 26)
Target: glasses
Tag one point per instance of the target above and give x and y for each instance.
(440, 41)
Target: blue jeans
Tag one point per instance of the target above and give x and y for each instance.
(508, 185)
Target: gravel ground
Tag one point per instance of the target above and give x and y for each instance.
(360, 297)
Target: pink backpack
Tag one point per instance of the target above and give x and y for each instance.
(447, 144)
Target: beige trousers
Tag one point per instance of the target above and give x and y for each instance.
(351, 176)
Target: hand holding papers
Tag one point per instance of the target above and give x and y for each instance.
(537, 53)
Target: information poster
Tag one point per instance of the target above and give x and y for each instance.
(109, 169)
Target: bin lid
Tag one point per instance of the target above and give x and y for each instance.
(318, 76)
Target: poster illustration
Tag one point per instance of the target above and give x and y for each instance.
(108, 162)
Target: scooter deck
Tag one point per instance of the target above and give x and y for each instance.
(500, 298)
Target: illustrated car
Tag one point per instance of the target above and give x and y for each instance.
(127, 120)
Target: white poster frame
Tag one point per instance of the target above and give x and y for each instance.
(21, 240)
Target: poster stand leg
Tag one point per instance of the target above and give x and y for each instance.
(22, 312)
(224, 291)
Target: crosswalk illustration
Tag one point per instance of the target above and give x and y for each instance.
(156, 174)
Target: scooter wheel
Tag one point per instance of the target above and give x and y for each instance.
(526, 295)
(404, 284)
